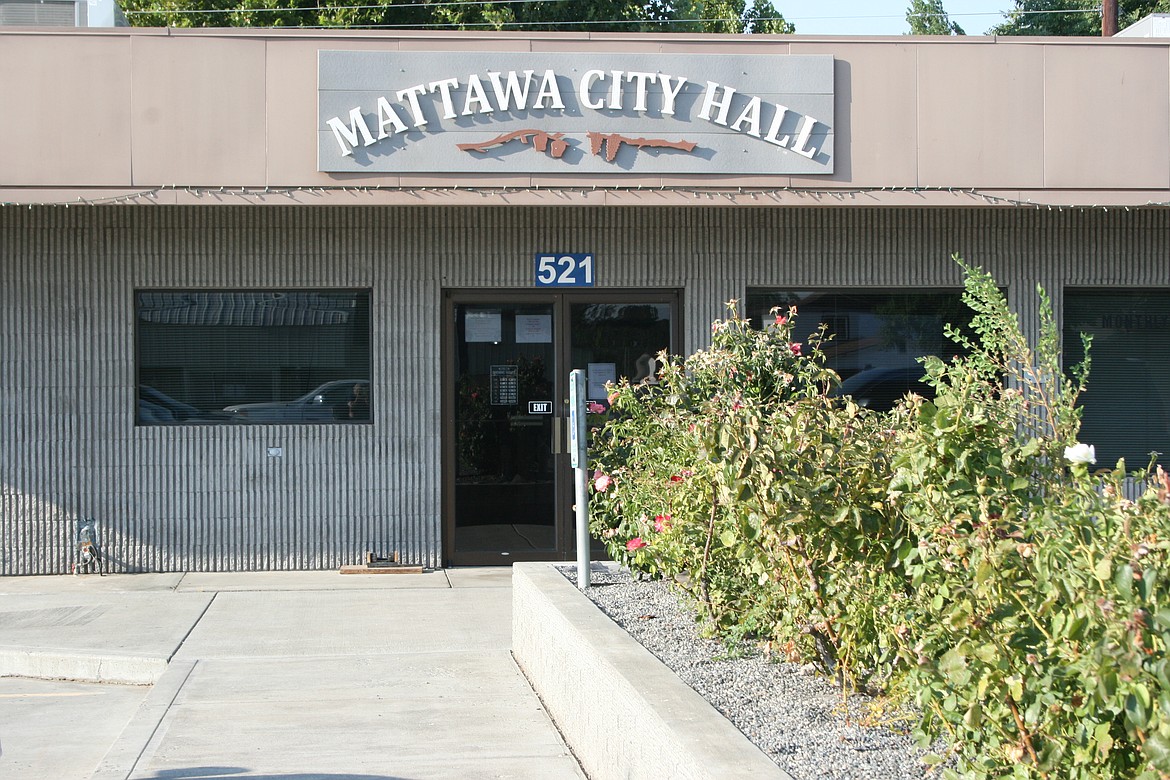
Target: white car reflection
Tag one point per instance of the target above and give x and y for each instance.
(158, 408)
(327, 403)
(881, 388)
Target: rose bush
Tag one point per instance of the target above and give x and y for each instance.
(957, 553)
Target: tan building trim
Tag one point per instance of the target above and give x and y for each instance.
(172, 116)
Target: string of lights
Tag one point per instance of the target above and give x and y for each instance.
(735, 195)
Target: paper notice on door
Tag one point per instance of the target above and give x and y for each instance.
(482, 325)
(533, 328)
(599, 374)
(505, 385)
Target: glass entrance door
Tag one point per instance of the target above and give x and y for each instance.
(508, 487)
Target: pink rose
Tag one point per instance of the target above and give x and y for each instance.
(781, 319)
(675, 478)
(601, 482)
(596, 408)
(635, 543)
(795, 347)
(661, 523)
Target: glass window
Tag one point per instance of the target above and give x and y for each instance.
(1124, 407)
(252, 356)
(878, 335)
(613, 340)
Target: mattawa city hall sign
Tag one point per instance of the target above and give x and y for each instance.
(459, 112)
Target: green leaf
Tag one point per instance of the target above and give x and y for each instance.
(1135, 712)
(1148, 582)
(1157, 751)
(1123, 579)
(1143, 694)
(953, 665)
(1103, 739)
(1107, 685)
(973, 718)
(986, 653)
(1032, 713)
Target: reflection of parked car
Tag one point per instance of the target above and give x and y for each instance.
(158, 408)
(880, 388)
(323, 404)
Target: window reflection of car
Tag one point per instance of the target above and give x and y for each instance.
(326, 403)
(881, 388)
(158, 408)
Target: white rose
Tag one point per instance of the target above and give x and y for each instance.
(1080, 453)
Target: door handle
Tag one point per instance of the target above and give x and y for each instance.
(557, 436)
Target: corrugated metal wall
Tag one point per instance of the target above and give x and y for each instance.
(208, 498)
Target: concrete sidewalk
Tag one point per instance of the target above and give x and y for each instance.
(284, 676)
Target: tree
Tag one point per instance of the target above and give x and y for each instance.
(717, 16)
(928, 17)
(1071, 17)
(762, 17)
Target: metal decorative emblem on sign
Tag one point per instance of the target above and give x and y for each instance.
(553, 270)
(588, 112)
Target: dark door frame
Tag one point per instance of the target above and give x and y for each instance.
(561, 300)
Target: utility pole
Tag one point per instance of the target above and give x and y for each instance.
(1108, 18)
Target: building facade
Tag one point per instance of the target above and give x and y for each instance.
(279, 299)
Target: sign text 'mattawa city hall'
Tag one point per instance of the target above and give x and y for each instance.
(460, 112)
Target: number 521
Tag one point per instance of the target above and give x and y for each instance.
(564, 270)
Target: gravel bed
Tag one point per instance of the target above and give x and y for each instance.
(795, 716)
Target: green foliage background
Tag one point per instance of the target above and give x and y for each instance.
(928, 17)
(1024, 19)
(710, 16)
(925, 17)
(946, 554)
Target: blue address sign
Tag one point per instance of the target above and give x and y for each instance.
(555, 270)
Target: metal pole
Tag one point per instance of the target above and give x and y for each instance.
(582, 496)
(580, 464)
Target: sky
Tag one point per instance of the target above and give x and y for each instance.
(883, 17)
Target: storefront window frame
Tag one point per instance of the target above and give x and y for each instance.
(882, 388)
(1072, 355)
(363, 297)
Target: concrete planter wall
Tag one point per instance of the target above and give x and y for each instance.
(621, 710)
